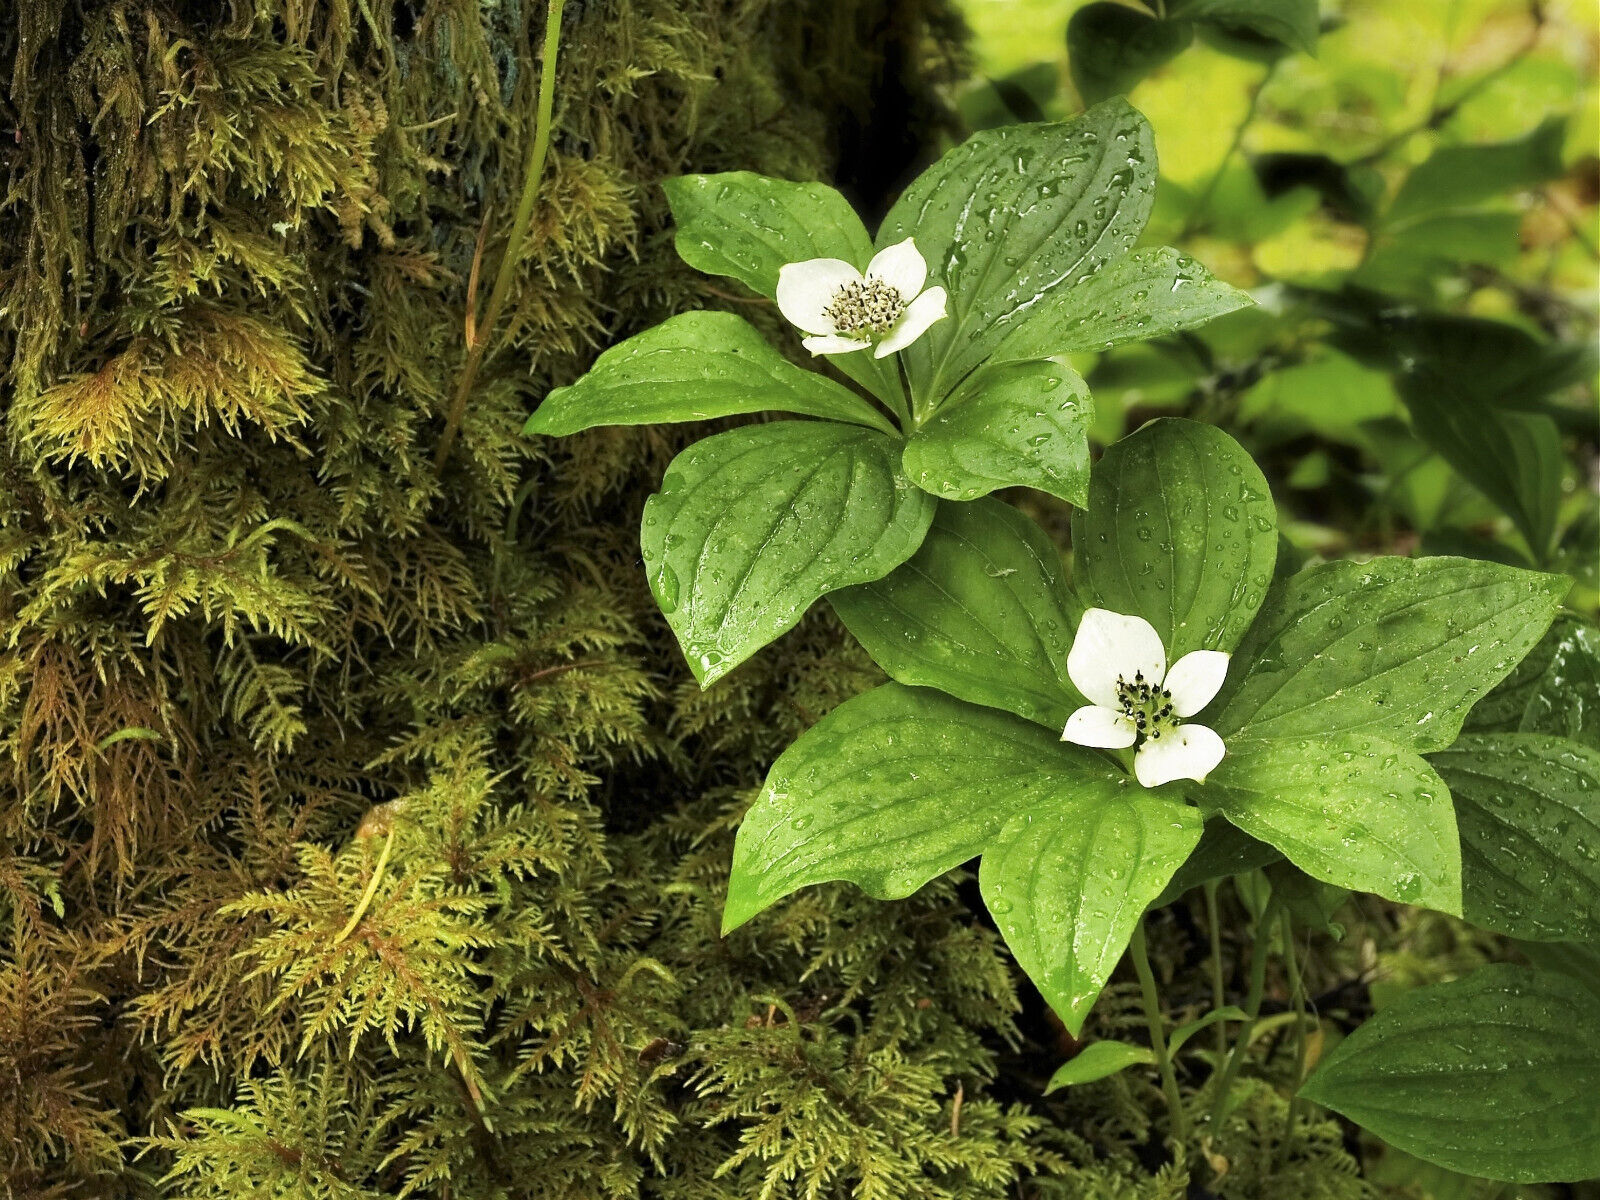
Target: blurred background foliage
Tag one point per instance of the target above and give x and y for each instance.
(1409, 191)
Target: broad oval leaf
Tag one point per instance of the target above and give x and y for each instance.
(1529, 811)
(1098, 1060)
(1180, 530)
(1067, 883)
(1351, 811)
(1022, 423)
(1396, 648)
(747, 226)
(1141, 295)
(754, 525)
(694, 367)
(1493, 1075)
(890, 790)
(981, 611)
(1012, 214)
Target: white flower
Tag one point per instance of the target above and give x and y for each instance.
(1119, 664)
(844, 310)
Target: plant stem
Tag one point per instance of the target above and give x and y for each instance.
(1158, 1034)
(370, 891)
(480, 332)
(1252, 1008)
(1298, 997)
(1218, 992)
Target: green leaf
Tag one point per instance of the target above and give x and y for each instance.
(694, 367)
(1111, 47)
(1180, 530)
(1566, 699)
(1494, 1075)
(1513, 458)
(1012, 214)
(1396, 648)
(1021, 423)
(747, 226)
(753, 525)
(1224, 850)
(1457, 177)
(1141, 295)
(1180, 1035)
(1067, 882)
(1292, 22)
(1098, 1060)
(1349, 810)
(890, 790)
(981, 611)
(1529, 810)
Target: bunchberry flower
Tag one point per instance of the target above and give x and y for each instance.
(1120, 665)
(843, 310)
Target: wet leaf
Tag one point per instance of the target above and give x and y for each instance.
(981, 611)
(1012, 214)
(1022, 423)
(1141, 295)
(1394, 648)
(1352, 811)
(1067, 882)
(1180, 530)
(752, 526)
(893, 788)
(1529, 810)
(694, 367)
(1494, 1075)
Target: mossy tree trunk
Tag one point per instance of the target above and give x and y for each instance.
(361, 833)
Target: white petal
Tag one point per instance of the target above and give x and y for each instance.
(1195, 679)
(832, 343)
(913, 323)
(901, 267)
(1103, 727)
(805, 289)
(1187, 752)
(1109, 645)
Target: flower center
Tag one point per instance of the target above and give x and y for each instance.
(871, 306)
(1149, 704)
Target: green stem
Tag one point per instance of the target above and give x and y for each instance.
(1252, 1008)
(533, 173)
(1219, 994)
(371, 890)
(1158, 1034)
(1298, 996)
